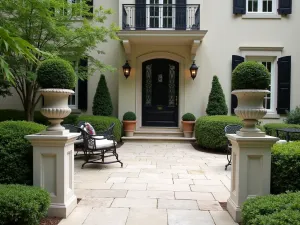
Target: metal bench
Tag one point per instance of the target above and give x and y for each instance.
(230, 129)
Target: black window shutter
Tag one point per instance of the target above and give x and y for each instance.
(82, 88)
(91, 3)
(285, 7)
(180, 21)
(239, 6)
(236, 60)
(284, 85)
(140, 14)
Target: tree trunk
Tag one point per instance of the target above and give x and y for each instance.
(29, 113)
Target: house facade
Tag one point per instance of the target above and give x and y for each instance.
(161, 39)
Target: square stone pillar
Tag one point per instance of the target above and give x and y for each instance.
(53, 170)
(251, 170)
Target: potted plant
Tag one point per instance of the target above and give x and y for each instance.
(250, 81)
(129, 122)
(188, 123)
(56, 78)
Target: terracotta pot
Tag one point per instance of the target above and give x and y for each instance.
(55, 107)
(250, 108)
(129, 127)
(188, 128)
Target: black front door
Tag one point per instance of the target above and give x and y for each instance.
(160, 93)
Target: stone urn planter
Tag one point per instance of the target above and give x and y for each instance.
(56, 78)
(188, 124)
(250, 81)
(250, 109)
(129, 123)
(55, 107)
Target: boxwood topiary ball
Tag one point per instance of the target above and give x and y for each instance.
(56, 73)
(250, 75)
(129, 116)
(188, 117)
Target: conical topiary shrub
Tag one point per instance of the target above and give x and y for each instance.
(216, 101)
(102, 105)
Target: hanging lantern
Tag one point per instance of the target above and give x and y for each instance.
(126, 69)
(194, 70)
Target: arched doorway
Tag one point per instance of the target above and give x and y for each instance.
(160, 86)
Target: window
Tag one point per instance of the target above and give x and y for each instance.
(270, 99)
(261, 6)
(161, 14)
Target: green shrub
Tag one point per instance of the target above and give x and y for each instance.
(101, 123)
(283, 209)
(209, 131)
(11, 114)
(16, 151)
(188, 117)
(56, 73)
(22, 205)
(129, 116)
(285, 175)
(250, 75)
(216, 101)
(270, 129)
(102, 105)
(293, 117)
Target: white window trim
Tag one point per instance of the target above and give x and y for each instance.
(266, 53)
(262, 15)
(161, 19)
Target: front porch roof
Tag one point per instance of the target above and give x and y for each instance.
(191, 38)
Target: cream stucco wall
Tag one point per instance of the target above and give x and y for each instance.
(226, 34)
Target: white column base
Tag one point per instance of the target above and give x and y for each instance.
(53, 170)
(234, 210)
(250, 171)
(62, 210)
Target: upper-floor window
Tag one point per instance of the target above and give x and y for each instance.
(161, 14)
(261, 6)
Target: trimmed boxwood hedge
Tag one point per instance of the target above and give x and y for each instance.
(101, 123)
(16, 151)
(209, 131)
(285, 170)
(283, 209)
(270, 129)
(11, 114)
(22, 205)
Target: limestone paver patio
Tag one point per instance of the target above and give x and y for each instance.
(160, 184)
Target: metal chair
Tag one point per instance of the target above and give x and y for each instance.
(100, 146)
(78, 144)
(230, 129)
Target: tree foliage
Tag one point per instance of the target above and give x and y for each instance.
(102, 105)
(216, 102)
(62, 28)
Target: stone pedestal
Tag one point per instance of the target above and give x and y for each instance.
(53, 170)
(251, 170)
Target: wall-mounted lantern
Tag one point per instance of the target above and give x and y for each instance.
(194, 70)
(126, 69)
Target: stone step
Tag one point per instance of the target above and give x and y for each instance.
(158, 133)
(157, 139)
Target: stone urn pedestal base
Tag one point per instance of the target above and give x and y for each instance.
(53, 170)
(251, 170)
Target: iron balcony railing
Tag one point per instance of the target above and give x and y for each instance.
(161, 16)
